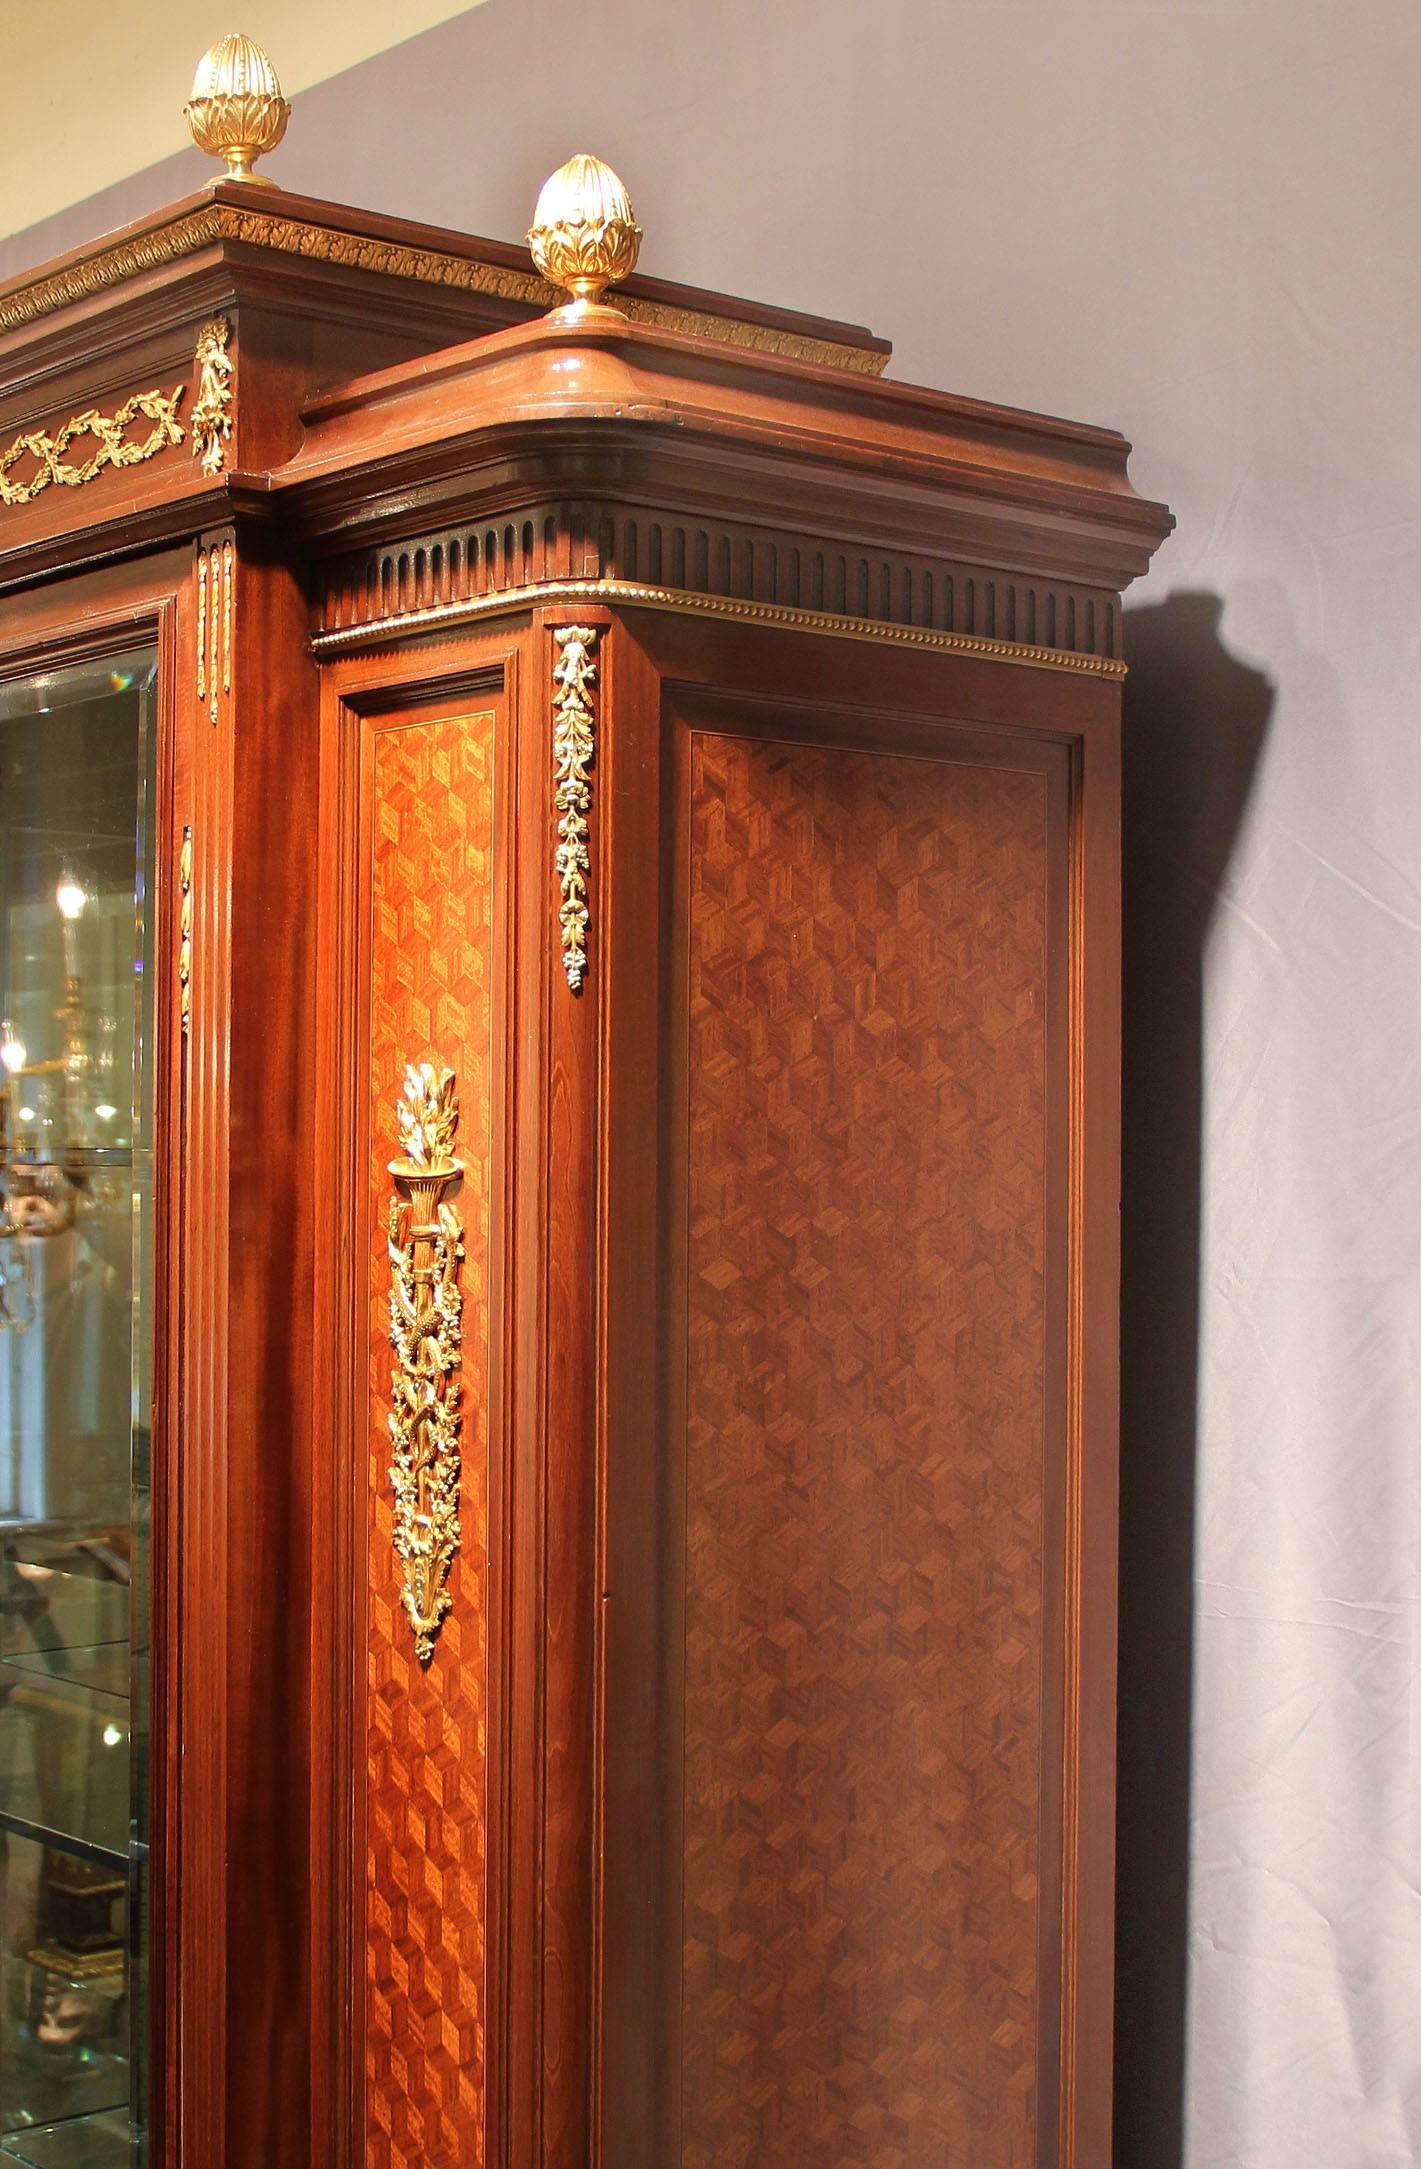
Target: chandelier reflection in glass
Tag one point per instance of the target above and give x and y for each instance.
(53, 1171)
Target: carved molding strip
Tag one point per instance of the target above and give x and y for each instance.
(211, 417)
(202, 625)
(185, 932)
(720, 563)
(214, 624)
(324, 244)
(214, 559)
(574, 753)
(409, 624)
(227, 554)
(426, 1244)
(109, 267)
(112, 445)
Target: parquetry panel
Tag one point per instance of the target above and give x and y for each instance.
(431, 953)
(864, 1475)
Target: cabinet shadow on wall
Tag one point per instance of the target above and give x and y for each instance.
(1195, 722)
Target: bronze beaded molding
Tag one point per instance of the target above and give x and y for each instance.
(389, 259)
(407, 625)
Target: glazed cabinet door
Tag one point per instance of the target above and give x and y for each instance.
(92, 871)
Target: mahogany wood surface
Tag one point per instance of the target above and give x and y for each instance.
(757, 1806)
(782, 694)
(262, 1039)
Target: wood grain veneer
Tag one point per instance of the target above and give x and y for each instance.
(867, 1228)
(430, 830)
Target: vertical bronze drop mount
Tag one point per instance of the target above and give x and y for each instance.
(426, 1249)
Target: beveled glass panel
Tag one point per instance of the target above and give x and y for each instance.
(76, 751)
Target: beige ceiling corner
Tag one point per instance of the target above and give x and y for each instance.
(97, 91)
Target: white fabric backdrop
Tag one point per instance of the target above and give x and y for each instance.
(1199, 220)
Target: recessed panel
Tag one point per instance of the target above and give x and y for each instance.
(865, 1506)
(431, 919)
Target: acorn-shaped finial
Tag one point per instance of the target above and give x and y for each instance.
(584, 236)
(236, 111)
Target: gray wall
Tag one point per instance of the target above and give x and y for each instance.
(1197, 220)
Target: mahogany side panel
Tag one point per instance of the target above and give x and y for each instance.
(863, 1697)
(430, 828)
(720, 1281)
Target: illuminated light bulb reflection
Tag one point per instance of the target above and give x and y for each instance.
(112, 1736)
(70, 898)
(27, 1114)
(13, 1054)
(105, 1113)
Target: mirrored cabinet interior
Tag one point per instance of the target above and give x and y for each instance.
(559, 985)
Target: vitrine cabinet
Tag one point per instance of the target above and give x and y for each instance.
(559, 943)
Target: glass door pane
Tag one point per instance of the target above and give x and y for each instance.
(76, 749)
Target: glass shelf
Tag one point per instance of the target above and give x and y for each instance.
(63, 2041)
(83, 2142)
(103, 1667)
(66, 1590)
(64, 1759)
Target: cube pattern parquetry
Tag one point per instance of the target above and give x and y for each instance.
(864, 1473)
(431, 951)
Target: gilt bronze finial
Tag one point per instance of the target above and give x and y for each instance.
(236, 111)
(584, 236)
